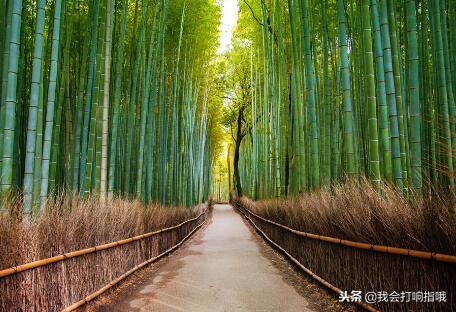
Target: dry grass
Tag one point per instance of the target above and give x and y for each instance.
(357, 212)
(68, 224)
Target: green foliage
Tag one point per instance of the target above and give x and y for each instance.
(156, 91)
(347, 88)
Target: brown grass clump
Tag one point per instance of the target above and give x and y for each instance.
(69, 224)
(356, 212)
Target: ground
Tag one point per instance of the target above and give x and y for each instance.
(226, 266)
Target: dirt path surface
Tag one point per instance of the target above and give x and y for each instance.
(224, 267)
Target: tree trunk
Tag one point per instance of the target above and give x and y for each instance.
(239, 136)
(229, 170)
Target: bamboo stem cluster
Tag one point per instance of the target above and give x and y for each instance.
(96, 99)
(351, 88)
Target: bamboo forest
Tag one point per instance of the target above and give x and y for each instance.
(268, 155)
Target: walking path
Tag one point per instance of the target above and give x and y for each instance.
(222, 268)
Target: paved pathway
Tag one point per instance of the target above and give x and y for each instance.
(220, 269)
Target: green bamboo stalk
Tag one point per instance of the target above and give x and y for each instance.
(326, 99)
(94, 9)
(117, 95)
(95, 178)
(10, 99)
(381, 96)
(139, 60)
(144, 110)
(444, 117)
(107, 79)
(374, 161)
(5, 68)
(449, 79)
(47, 143)
(398, 85)
(3, 24)
(348, 118)
(38, 151)
(33, 107)
(414, 100)
(391, 97)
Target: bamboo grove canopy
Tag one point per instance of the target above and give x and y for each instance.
(107, 96)
(348, 88)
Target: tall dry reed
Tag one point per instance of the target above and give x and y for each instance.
(357, 212)
(69, 224)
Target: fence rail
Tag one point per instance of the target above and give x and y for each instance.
(379, 248)
(60, 282)
(97, 293)
(345, 265)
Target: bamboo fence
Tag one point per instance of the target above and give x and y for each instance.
(68, 281)
(346, 265)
